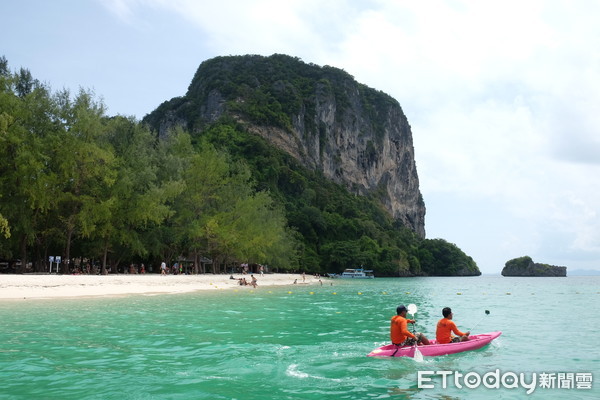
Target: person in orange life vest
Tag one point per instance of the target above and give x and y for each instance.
(399, 332)
(446, 326)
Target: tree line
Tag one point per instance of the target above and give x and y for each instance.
(78, 183)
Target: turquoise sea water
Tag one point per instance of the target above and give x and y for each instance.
(297, 342)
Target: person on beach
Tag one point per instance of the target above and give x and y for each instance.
(399, 332)
(163, 268)
(253, 282)
(446, 326)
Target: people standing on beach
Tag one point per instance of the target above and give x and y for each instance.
(163, 268)
(303, 277)
(261, 269)
(446, 326)
(399, 332)
(142, 269)
(253, 281)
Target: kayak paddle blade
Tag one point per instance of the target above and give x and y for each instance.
(412, 309)
(418, 356)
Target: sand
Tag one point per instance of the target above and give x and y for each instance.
(57, 286)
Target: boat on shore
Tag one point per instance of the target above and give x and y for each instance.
(354, 273)
(434, 349)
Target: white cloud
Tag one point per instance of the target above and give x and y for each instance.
(125, 10)
(240, 27)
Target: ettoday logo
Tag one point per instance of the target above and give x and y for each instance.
(507, 380)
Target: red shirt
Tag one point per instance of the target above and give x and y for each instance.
(399, 329)
(445, 327)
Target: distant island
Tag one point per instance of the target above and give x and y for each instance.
(524, 266)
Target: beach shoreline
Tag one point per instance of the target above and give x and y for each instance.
(48, 286)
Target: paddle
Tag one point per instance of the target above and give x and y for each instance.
(412, 310)
(487, 312)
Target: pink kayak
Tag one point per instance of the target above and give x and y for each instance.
(434, 349)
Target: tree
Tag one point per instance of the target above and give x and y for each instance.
(256, 231)
(136, 201)
(25, 83)
(26, 181)
(4, 228)
(4, 122)
(4, 71)
(519, 263)
(439, 257)
(220, 213)
(340, 255)
(86, 167)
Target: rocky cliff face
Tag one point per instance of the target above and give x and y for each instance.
(524, 266)
(354, 135)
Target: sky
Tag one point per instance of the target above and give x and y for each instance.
(503, 97)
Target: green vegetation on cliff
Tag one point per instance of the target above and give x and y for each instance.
(78, 183)
(524, 266)
(337, 228)
(274, 89)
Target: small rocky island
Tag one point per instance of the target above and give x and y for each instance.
(524, 266)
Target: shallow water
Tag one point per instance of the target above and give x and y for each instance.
(297, 342)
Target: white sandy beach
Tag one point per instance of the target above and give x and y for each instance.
(55, 286)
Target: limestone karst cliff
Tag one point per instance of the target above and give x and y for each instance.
(524, 266)
(352, 134)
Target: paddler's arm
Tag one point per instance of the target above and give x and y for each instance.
(406, 332)
(457, 332)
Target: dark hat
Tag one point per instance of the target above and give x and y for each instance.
(400, 308)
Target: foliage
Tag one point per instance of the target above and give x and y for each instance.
(275, 90)
(439, 257)
(78, 183)
(519, 263)
(338, 230)
(524, 266)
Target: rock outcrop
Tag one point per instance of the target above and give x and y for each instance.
(524, 266)
(352, 134)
